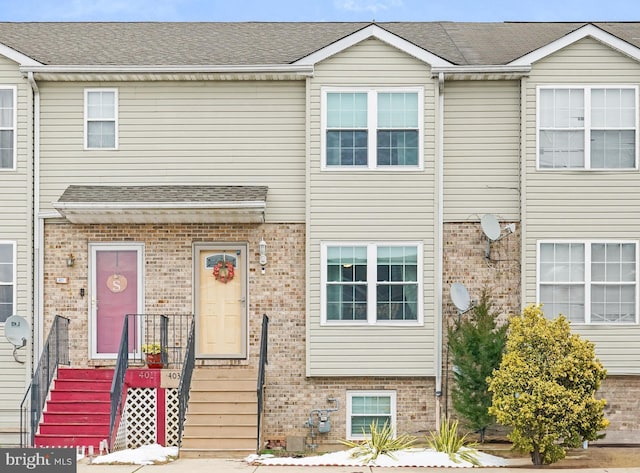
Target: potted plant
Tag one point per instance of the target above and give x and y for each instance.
(153, 352)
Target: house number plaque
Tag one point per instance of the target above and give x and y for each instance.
(117, 283)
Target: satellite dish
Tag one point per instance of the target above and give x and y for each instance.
(460, 297)
(490, 227)
(16, 330)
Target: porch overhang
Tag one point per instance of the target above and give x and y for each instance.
(163, 204)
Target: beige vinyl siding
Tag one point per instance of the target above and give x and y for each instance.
(481, 150)
(15, 226)
(582, 205)
(373, 206)
(217, 132)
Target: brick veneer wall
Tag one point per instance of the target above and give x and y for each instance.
(464, 261)
(279, 293)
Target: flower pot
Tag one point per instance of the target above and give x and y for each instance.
(154, 360)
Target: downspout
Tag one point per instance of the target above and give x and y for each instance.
(439, 260)
(38, 223)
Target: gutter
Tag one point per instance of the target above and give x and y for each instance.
(497, 71)
(97, 206)
(158, 69)
(38, 224)
(439, 260)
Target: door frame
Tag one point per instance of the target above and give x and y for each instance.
(92, 312)
(244, 250)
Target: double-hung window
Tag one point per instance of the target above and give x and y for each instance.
(369, 407)
(592, 127)
(589, 282)
(7, 280)
(101, 118)
(372, 129)
(371, 283)
(7, 128)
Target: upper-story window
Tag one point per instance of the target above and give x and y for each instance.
(7, 280)
(372, 129)
(589, 281)
(587, 127)
(7, 128)
(101, 118)
(371, 283)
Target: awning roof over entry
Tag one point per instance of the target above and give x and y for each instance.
(163, 204)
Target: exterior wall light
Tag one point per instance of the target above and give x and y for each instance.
(263, 254)
(71, 260)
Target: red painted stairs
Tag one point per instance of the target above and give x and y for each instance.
(76, 413)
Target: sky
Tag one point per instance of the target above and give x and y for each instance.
(320, 10)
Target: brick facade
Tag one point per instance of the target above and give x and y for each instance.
(280, 293)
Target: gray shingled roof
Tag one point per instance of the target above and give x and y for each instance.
(163, 194)
(251, 43)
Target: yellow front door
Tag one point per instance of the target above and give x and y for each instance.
(220, 302)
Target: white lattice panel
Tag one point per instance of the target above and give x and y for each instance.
(121, 435)
(140, 417)
(173, 421)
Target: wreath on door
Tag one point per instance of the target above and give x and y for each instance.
(224, 271)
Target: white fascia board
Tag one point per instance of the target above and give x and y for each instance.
(482, 70)
(375, 32)
(17, 57)
(582, 32)
(95, 206)
(161, 69)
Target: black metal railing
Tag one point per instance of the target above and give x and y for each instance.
(264, 343)
(185, 379)
(117, 384)
(170, 333)
(55, 352)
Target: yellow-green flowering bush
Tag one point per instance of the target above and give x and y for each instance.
(545, 387)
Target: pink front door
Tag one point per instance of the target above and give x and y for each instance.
(115, 293)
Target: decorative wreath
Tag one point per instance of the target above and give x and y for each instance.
(224, 271)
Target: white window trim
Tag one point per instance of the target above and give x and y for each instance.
(587, 279)
(114, 119)
(350, 396)
(372, 127)
(587, 126)
(14, 274)
(371, 284)
(14, 90)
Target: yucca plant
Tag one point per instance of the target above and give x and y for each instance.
(447, 440)
(380, 442)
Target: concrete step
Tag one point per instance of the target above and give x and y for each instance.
(213, 453)
(223, 396)
(221, 431)
(224, 385)
(222, 407)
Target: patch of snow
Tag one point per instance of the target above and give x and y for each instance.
(145, 455)
(414, 457)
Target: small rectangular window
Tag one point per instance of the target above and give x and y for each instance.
(101, 113)
(7, 128)
(369, 407)
(587, 128)
(7, 280)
